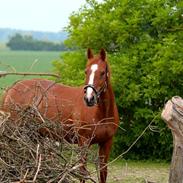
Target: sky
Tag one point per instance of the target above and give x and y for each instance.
(38, 15)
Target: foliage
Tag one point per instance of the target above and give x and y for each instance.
(71, 65)
(19, 42)
(144, 40)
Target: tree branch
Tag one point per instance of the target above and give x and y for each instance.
(4, 73)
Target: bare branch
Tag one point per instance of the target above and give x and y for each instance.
(4, 73)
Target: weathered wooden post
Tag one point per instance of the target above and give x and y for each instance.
(173, 116)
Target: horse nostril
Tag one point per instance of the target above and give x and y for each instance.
(85, 99)
(92, 99)
(89, 101)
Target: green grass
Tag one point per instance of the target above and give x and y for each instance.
(25, 61)
(137, 172)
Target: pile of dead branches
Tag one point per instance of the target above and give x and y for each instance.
(28, 156)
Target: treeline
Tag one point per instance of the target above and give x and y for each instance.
(144, 40)
(26, 42)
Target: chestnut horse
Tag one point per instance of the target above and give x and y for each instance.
(92, 105)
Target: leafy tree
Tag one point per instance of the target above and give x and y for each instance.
(144, 40)
(71, 65)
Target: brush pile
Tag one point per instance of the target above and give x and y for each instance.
(28, 156)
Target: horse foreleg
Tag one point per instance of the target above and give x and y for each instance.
(104, 151)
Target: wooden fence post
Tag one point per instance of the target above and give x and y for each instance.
(173, 116)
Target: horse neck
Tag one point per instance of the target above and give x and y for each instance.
(108, 101)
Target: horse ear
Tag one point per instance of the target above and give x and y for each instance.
(89, 53)
(103, 54)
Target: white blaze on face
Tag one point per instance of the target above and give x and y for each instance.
(89, 90)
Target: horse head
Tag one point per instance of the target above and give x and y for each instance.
(97, 77)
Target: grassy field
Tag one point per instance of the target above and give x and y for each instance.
(137, 172)
(25, 61)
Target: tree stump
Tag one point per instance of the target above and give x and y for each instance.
(173, 116)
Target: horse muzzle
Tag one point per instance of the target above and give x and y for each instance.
(90, 102)
(91, 98)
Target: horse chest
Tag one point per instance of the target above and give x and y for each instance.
(98, 130)
(104, 131)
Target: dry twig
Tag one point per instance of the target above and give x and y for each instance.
(4, 73)
(27, 156)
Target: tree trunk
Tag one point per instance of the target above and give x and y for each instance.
(173, 116)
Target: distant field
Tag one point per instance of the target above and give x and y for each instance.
(3, 47)
(25, 61)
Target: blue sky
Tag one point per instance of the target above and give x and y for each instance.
(42, 15)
